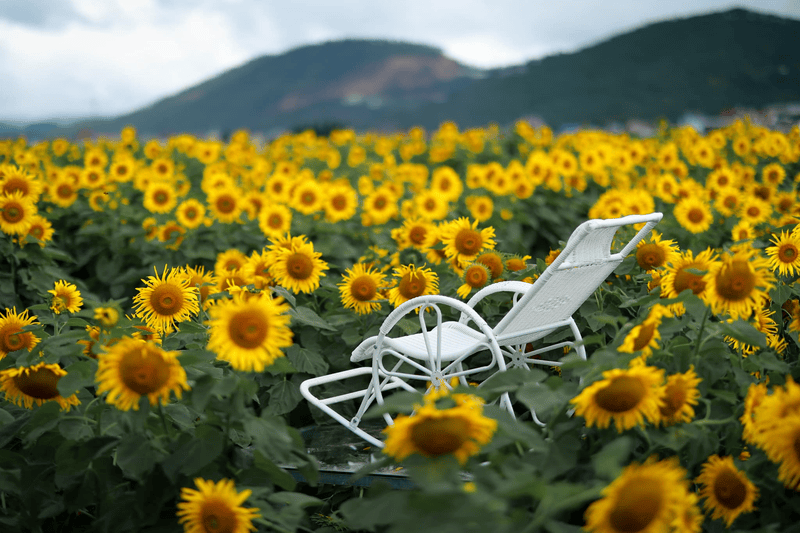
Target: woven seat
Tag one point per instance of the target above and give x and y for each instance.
(447, 349)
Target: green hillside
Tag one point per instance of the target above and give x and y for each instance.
(707, 64)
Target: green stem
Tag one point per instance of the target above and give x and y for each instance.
(700, 333)
(164, 421)
(708, 422)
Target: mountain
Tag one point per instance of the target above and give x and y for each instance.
(704, 64)
(352, 82)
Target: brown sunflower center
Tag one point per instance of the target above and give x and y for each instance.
(429, 205)
(190, 213)
(13, 212)
(248, 328)
(275, 221)
(735, 281)
(380, 202)
(650, 256)
(363, 288)
(166, 299)
(40, 383)
(161, 197)
(122, 170)
(622, 394)
(412, 285)
(143, 371)
(787, 253)
(476, 276)
(696, 216)
(64, 190)
(339, 202)
(638, 504)
(515, 264)
(226, 204)
(674, 399)
(753, 211)
(308, 198)
(763, 192)
(16, 184)
(417, 235)
(218, 517)
(439, 436)
(11, 338)
(729, 489)
(299, 266)
(36, 231)
(644, 337)
(686, 280)
(493, 262)
(468, 241)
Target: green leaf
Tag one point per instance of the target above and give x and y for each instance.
(135, 456)
(304, 315)
(278, 475)
(744, 332)
(281, 365)
(283, 397)
(307, 361)
(79, 375)
(409, 326)
(608, 461)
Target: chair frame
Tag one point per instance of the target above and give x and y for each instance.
(438, 354)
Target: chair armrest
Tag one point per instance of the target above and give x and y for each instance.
(517, 287)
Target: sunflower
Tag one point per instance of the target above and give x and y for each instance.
(380, 206)
(655, 253)
(249, 332)
(171, 232)
(66, 297)
(279, 187)
(412, 282)
(256, 270)
(95, 157)
(773, 174)
(15, 179)
(728, 200)
(275, 220)
(785, 254)
(298, 268)
(431, 432)
(132, 368)
(755, 395)
(16, 212)
(12, 337)
(685, 272)
(463, 241)
(645, 336)
(107, 316)
(37, 384)
(307, 196)
(755, 210)
(430, 205)
(230, 260)
(645, 498)
(782, 446)
(416, 233)
(63, 191)
(340, 203)
(40, 229)
(743, 231)
(480, 207)
(226, 204)
(215, 507)
(515, 263)
(360, 289)
(738, 284)
(680, 394)
(791, 309)
(122, 169)
(166, 300)
(727, 490)
(163, 167)
(191, 213)
(205, 282)
(693, 214)
(474, 276)
(446, 182)
(626, 396)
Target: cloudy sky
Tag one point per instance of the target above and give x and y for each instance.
(73, 58)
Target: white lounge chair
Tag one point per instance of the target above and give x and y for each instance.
(443, 350)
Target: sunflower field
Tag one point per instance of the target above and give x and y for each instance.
(162, 300)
